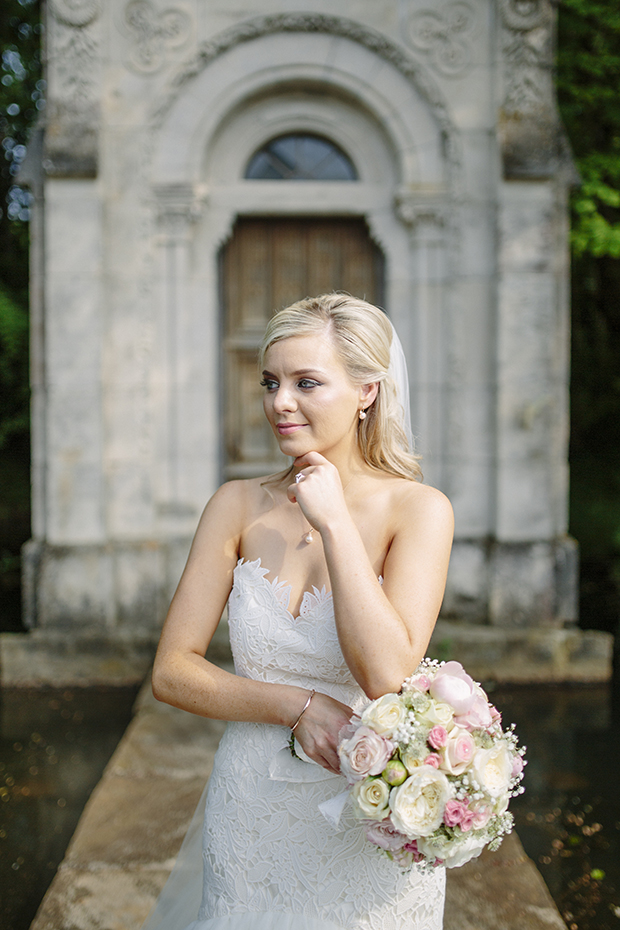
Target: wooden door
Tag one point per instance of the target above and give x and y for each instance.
(269, 263)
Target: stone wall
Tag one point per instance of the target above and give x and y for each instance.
(154, 109)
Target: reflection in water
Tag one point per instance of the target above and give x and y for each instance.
(569, 817)
(55, 744)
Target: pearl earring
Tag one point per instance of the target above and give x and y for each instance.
(362, 414)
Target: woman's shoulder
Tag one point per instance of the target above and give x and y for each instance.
(243, 497)
(409, 500)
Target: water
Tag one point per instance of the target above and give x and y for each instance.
(55, 744)
(569, 817)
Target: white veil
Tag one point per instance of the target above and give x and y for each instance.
(398, 372)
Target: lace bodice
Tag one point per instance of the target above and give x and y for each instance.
(270, 644)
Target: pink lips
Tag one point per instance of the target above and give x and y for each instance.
(285, 429)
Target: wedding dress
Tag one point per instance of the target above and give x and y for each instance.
(271, 860)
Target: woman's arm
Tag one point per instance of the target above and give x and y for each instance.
(183, 677)
(383, 629)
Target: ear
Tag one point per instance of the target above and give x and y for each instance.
(368, 394)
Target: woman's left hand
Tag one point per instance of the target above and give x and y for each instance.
(318, 490)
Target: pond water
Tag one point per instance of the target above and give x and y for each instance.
(55, 744)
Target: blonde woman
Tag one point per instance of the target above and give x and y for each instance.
(334, 572)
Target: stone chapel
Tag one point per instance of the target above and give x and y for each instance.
(204, 162)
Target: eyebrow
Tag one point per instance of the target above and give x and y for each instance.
(300, 371)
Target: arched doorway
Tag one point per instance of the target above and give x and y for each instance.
(268, 263)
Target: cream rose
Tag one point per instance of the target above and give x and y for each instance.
(418, 804)
(385, 715)
(371, 798)
(492, 769)
(452, 854)
(437, 714)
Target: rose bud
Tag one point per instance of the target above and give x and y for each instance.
(394, 773)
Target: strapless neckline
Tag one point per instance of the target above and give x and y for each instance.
(281, 590)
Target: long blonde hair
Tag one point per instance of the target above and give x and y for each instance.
(362, 334)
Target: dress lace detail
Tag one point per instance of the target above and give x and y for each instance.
(267, 849)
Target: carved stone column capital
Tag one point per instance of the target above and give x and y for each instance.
(178, 206)
(413, 210)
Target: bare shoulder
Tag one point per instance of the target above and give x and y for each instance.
(413, 503)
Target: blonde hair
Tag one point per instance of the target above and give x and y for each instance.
(362, 335)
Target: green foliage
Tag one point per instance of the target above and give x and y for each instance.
(14, 394)
(588, 78)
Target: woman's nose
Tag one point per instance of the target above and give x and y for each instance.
(283, 400)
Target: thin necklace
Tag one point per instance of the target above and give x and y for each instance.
(308, 538)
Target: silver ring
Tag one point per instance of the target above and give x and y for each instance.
(299, 477)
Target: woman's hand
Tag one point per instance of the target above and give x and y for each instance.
(317, 489)
(318, 730)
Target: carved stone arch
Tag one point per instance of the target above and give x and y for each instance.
(255, 58)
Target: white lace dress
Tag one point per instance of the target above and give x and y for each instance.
(272, 861)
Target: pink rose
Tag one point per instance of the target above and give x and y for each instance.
(495, 714)
(481, 814)
(458, 752)
(420, 683)
(384, 834)
(433, 759)
(517, 766)
(467, 821)
(478, 717)
(452, 685)
(454, 812)
(366, 753)
(438, 737)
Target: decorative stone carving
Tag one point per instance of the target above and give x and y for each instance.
(154, 34)
(411, 209)
(529, 127)
(75, 12)
(74, 64)
(525, 14)
(179, 205)
(445, 35)
(375, 42)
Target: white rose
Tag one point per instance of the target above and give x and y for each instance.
(414, 755)
(371, 798)
(418, 804)
(453, 854)
(385, 715)
(492, 769)
(437, 714)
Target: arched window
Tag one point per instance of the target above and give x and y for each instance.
(300, 157)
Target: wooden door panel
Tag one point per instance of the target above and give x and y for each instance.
(269, 263)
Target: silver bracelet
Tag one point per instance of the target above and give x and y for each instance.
(305, 708)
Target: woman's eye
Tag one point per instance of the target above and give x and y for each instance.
(306, 383)
(269, 384)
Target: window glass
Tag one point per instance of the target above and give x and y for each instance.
(300, 157)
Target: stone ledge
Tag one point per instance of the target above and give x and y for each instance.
(525, 655)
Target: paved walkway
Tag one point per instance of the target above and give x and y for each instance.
(134, 822)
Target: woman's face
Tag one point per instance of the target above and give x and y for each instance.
(310, 402)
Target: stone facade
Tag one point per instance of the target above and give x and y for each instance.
(447, 109)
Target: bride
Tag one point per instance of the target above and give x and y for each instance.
(334, 573)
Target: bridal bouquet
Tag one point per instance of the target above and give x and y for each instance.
(431, 769)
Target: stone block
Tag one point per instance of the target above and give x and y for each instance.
(141, 603)
(525, 655)
(75, 588)
(466, 589)
(61, 658)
